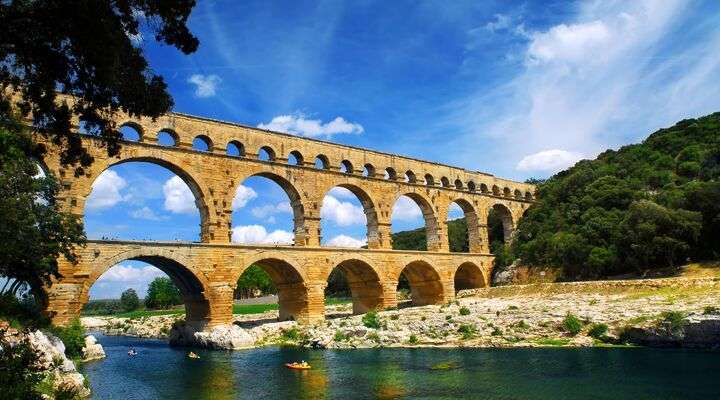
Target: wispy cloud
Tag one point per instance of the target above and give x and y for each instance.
(205, 85)
(614, 73)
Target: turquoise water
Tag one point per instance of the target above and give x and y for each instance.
(162, 372)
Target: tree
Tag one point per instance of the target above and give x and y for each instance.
(162, 293)
(20, 373)
(34, 231)
(129, 300)
(254, 278)
(91, 51)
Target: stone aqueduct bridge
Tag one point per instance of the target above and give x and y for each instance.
(206, 272)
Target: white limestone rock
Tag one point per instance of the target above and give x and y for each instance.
(92, 350)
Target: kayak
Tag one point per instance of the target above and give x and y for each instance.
(297, 366)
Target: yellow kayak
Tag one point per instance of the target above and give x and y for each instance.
(297, 366)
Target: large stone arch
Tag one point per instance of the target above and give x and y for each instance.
(294, 299)
(296, 203)
(469, 275)
(426, 285)
(192, 283)
(476, 242)
(197, 187)
(365, 282)
(433, 232)
(371, 213)
(506, 215)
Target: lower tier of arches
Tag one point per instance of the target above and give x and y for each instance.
(207, 275)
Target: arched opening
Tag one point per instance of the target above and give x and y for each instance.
(368, 171)
(144, 199)
(266, 153)
(390, 174)
(528, 196)
(507, 192)
(445, 182)
(150, 282)
(423, 282)
(469, 276)
(321, 162)
(131, 132)
(235, 149)
(413, 224)
(295, 158)
(429, 180)
(266, 210)
(496, 190)
(483, 188)
(346, 167)
(471, 186)
(348, 218)
(500, 226)
(463, 232)
(458, 184)
(167, 137)
(518, 194)
(410, 177)
(357, 280)
(291, 290)
(202, 143)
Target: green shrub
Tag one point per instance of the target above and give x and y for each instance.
(598, 331)
(19, 373)
(467, 331)
(448, 318)
(572, 324)
(522, 324)
(291, 334)
(341, 337)
(464, 311)
(423, 318)
(496, 331)
(512, 308)
(711, 310)
(394, 317)
(73, 336)
(162, 293)
(674, 320)
(371, 320)
(413, 339)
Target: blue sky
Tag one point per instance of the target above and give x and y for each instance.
(517, 89)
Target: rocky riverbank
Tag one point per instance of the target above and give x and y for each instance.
(656, 312)
(61, 375)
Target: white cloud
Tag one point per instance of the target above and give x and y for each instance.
(178, 197)
(106, 191)
(297, 124)
(205, 85)
(405, 209)
(549, 160)
(573, 43)
(145, 213)
(269, 209)
(345, 241)
(608, 76)
(342, 213)
(128, 274)
(243, 195)
(257, 234)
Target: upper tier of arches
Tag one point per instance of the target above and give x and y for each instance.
(216, 137)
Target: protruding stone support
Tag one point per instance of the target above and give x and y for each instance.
(311, 234)
(478, 243)
(443, 243)
(380, 238)
(304, 303)
(213, 310)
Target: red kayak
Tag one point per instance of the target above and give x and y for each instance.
(297, 366)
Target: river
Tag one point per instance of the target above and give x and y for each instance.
(163, 372)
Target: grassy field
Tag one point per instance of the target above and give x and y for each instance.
(237, 309)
